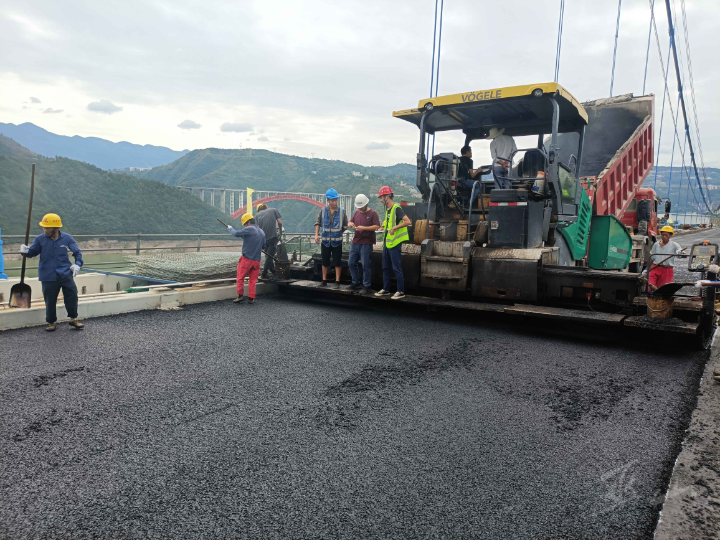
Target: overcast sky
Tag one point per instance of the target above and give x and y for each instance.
(322, 78)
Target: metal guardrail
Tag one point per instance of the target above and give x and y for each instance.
(138, 248)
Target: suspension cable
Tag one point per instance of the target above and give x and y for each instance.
(677, 211)
(617, 33)
(672, 155)
(432, 79)
(647, 54)
(662, 116)
(559, 39)
(667, 89)
(685, 118)
(692, 89)
(437, 69)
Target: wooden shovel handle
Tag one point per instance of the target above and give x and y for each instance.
(27, 229)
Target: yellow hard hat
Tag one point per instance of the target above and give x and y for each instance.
(246, 217)
(261, 206)
(668, 228)
(51, 220)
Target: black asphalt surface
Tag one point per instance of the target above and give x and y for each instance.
(291, 419)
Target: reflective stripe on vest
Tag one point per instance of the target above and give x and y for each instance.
(401, 235)
(332, 230)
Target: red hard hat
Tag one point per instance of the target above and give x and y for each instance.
(385, 190)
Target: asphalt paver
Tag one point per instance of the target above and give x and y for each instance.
(297, 419)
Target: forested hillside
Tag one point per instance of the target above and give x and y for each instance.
(265, 170)
(93, 201)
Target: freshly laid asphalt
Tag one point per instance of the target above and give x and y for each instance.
(292, 419)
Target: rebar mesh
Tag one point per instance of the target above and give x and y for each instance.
(184, 267)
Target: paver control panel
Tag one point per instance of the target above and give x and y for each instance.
(702, 255)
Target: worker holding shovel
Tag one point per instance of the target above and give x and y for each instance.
(249, 265)
(661, 271)
(55, 271)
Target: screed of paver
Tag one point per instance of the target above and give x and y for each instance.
(306, 419)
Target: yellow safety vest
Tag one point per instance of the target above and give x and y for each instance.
(401, 235)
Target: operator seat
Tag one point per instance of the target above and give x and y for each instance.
(531, 164)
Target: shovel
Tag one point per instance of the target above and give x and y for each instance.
(21, 293)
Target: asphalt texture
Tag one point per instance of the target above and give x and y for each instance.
(296, 419)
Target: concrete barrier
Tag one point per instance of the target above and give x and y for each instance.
(86, 284)
(115, 304)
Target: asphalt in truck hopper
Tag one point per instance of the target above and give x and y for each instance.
(294, 419)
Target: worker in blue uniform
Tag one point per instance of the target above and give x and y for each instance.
(55, 271)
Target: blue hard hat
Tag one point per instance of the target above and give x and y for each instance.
(331, 194)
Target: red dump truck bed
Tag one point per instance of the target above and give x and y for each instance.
(618, 151)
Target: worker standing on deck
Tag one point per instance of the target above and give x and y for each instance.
(365, 221)
(501, 150)
(661, 271)
(249, 264)
(333, 221)
(55, 271)
(395, 226)
(268, 219)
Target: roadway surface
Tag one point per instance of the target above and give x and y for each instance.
(290, 419)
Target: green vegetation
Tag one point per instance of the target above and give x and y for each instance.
(92, 201)
(265, 170)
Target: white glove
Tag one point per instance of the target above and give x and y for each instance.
(24, 249)
(230, 228)
(75, 269)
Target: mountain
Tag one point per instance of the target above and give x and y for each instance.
(99, 152)
(265, 170)
(93, 201)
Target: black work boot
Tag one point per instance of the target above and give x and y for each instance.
(324, 283)
(239, 299)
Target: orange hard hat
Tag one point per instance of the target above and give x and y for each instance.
(385, 190)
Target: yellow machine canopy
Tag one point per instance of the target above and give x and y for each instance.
(520, 110)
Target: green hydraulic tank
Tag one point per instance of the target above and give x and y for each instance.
(610, 244)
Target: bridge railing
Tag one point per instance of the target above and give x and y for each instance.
(133, 244)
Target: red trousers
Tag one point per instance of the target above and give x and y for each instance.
(660, 275)
(251, 268)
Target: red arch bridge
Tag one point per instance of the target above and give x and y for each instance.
(234, 201)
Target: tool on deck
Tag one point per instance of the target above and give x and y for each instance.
(21, 293)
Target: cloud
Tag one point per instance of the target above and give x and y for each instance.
(378, 146)
(103, 106)
(189, 124)
(242, 127)
(286, 139)
(52, 111)
(34, 100)
(263, 139)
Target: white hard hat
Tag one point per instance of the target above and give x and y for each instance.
(361, 201)
(495, 132)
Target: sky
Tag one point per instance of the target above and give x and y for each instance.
(322, 78)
